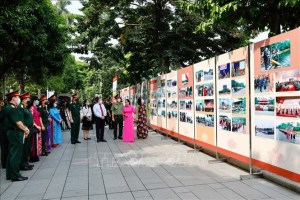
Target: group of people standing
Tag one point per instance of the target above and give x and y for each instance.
(29, 129)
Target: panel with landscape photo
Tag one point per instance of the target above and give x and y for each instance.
(224, 71)
(239, 106)
(224, 122)
(275, 56)
(208, 73)
(204, 90)
(239, 125)
(264, 128)
(238, 87)
(172, 104)
(288, 81)
(205, 120)
(264, 106)
(288, 107)
(225, 105)
(238, 68)
(288, 132)
(224, 87)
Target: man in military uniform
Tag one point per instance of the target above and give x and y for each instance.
(28, 122)
(16, 133)
(3, 137)
(117, 118)
(44, 115)
(74, 114)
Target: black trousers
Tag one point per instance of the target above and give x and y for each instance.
(118, 121)
(100, 128)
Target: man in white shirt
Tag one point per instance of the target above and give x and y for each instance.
(100, 113)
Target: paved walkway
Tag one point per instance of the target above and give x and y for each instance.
(154, 168)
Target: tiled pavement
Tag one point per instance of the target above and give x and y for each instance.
(154, 168)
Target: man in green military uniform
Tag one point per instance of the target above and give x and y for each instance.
(16, 133)
(28, 122)
(74, 114)
(117, 118)
(3, 137)
(44, 115)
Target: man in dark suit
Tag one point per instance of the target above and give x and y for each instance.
(100, 114)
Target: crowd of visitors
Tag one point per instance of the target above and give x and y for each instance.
(32, 127)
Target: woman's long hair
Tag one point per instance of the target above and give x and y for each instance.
(51, 103)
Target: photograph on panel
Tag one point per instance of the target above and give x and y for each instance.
(153, 112)
(200, 105)
(224, 87)
(239, 106)
(204, 90)
(288, 107)
(225, 105)
(275, 56)
(238, 68)
(199, 76)
(162, 113)
(209, 105)
(160, 93)
(182, 116)
(264, 127)
(153, 94)
(153, 103)
(208, 73)
(225, 122)
(264, 106)
(239, 125)
(189, 118)
(238, 87)
(224, 71)
(184, 78)
(205, 120)
(161, 103)
(172, 82)
(172, 104)
(288, 131)
(172, 114)
(288, 81)
(264, 83)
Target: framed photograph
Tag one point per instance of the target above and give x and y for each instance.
(225, 105)
(288, 132)
(205, 120)
(224, 87)
(185, 78)
(264, 106)
(224, 122)
(208, 73)
(276, 56)
(238, 68)
(264, 83)
(238, 87)
(288, 107)
(224, 71)
(288, 81)
(200, 105)
(239, 106)
(209, 105)
(264, 128)
(239, 125)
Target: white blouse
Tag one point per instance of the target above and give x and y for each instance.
(86, 111)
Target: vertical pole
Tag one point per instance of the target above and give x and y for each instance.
(216, 108)
(250, 110)
(3, 87)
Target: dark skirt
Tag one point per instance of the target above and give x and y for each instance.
(86, 124)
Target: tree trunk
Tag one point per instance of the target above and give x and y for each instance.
(275, 24)
(22, 84)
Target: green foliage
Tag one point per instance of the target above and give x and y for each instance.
(251, 17)
(155, 37)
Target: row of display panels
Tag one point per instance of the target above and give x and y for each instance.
(218, 102)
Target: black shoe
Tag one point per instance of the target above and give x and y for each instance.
(98, 140)
(88, 138)
(44, 154)
(115, 138)
(102, 140)
(30, 166)
(120, 138)
(78, 141)
(26, 168)
(85, 138)
(8, 178)
(21, 178)
(73, 142)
